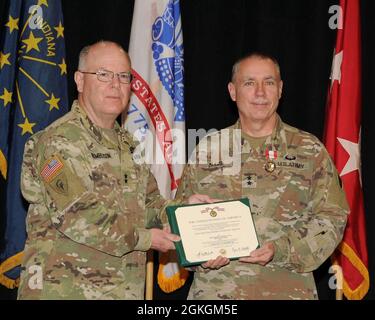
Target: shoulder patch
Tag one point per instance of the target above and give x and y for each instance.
(60, 184)
(51, 168)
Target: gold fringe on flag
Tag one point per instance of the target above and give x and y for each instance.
(170, 283)
(7, 265)
(3, 165)
(360, 292)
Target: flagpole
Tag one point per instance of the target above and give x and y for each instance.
(339, 294)
(149, 275)
(339, 283)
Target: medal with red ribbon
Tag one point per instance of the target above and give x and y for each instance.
(270, 165)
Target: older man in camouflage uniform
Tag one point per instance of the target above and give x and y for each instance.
(90, 204)
(298, 206)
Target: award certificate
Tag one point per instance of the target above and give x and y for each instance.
(213, 229)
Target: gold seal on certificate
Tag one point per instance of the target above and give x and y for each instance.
(213, 229)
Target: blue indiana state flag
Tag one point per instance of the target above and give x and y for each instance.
(33, 93)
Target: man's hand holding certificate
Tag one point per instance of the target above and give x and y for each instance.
(213, 229)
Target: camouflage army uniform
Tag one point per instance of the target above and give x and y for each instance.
(88, 213)
(300, 206)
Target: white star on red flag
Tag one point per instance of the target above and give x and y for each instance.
(354, 161)
(336, 68)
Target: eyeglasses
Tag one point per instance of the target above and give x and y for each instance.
(107, 76)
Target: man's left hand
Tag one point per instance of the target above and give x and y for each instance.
(261, 256)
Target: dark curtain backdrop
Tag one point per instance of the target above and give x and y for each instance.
(215, 34)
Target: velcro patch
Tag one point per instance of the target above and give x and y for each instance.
(51, 169)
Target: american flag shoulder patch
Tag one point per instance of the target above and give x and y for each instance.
(51, 168)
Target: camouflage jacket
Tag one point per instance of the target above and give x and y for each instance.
(90, 204)
(300, 206)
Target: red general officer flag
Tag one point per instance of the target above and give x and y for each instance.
(342, 139)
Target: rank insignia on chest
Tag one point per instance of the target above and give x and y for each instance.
(51, 169)
(249, 180)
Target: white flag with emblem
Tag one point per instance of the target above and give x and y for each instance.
(156, 114)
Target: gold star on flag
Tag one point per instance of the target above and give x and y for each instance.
(4, 59)
(32, 42)
(12, 24)
(60, 30)
(40, 2)
(27, 127)
(6, 97)
(53, 102)
(62, 66)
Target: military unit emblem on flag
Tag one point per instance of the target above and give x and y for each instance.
(33, 93)
(51, 169)
(168, 56)
(157, 105)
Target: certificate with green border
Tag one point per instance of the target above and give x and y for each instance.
(213, 229)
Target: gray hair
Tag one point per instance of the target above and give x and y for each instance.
(262, 56)
(85, 51)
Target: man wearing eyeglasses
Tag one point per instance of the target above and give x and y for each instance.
(93, 211)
